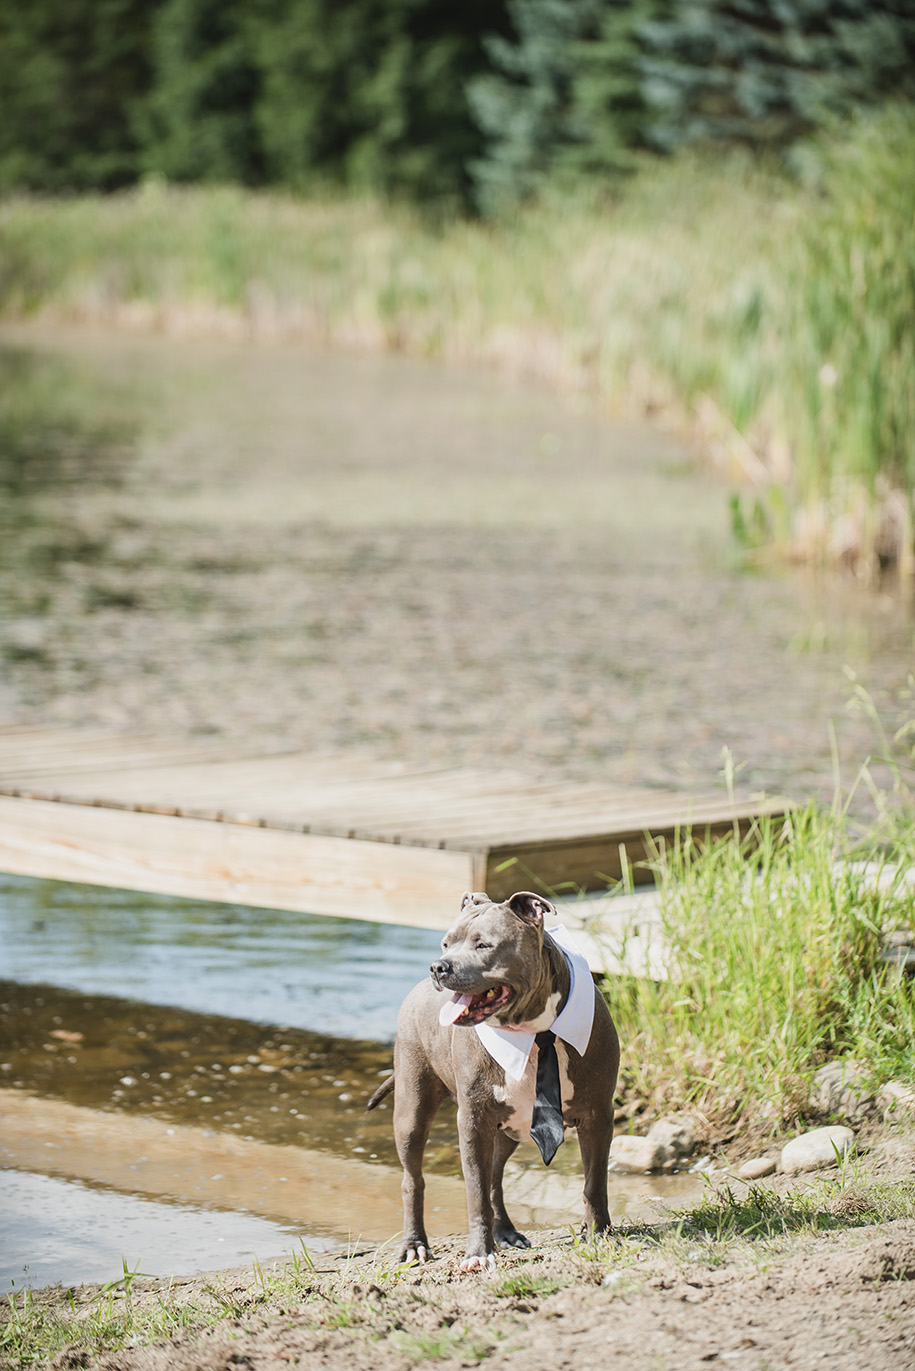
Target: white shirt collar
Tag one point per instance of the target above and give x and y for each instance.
(511, 1047)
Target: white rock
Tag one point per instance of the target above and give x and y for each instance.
(896, 1098)
(629, 1153)
(756, 1168)
(816, 1149)
(839, 1088)
(675, 1135)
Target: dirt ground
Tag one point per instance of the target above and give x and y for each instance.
(846, 1304)
(795, 1272)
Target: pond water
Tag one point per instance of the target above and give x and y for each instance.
(56, 1231)
(340, 977)
(328, 550)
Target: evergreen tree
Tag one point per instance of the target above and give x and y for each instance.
(370, 92)
(198, 122)
(70, 76)
(524, 105)
(566, 97)
(609, 111)
(768, 71)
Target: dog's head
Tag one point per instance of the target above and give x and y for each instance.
(492, 959)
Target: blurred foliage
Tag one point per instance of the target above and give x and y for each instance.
(70, 76)
(524, 102)
(365, 93)
(855, 300)
(197, 121)
(435, 99)
(766, 72)
(378, 102)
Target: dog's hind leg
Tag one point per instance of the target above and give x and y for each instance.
(594, 1134)
(416, 1102)
(504, 1231)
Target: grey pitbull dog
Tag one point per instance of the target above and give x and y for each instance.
(505, 972)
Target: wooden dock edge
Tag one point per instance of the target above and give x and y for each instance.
(266, 868)
(595, 862)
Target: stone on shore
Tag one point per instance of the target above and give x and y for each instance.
(756, 1168)
(676, 1136)
(897, 1098)
(840, 1088)
(816, 1149)
(669, 1142)
(630, 1153)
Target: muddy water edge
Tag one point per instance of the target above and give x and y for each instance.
(142, 1128)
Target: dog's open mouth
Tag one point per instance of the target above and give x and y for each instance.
(471, 1009)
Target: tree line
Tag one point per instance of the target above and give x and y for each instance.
(477, 102)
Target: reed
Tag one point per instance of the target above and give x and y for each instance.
(771, 315)
(774, 949)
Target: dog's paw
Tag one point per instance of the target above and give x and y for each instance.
(596, 1230)
(510, 1237)
(416, 1252)
(477, 1263)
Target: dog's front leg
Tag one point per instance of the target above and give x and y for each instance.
(477, 1133)
(504, 1231)
(417, 1098)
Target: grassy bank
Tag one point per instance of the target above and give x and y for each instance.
(771, 315)
(778, 970)
(777, 951)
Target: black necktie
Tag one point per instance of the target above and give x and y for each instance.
(546, 1127)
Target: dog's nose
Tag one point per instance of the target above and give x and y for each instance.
(440, 969)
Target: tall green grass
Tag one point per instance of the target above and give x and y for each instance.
(853, 343)
(771, 314)
(774, 949)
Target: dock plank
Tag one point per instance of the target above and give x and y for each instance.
(260, 867)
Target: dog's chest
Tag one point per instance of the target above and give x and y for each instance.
(519, 1095)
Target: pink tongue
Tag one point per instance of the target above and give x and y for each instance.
(454, 1008)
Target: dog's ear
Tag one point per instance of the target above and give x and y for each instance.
(473, 897)
(531, 908)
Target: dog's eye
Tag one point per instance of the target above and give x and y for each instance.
(482, 947)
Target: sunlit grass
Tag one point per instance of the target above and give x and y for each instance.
(773, 315)
(36, 1325)
(739, 1225)
(774, 947)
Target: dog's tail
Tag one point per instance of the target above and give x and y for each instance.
(384, 1089)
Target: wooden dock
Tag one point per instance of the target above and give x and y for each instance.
(335, 834)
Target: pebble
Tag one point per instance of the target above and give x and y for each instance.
(816, 1149)
(756, 1168)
